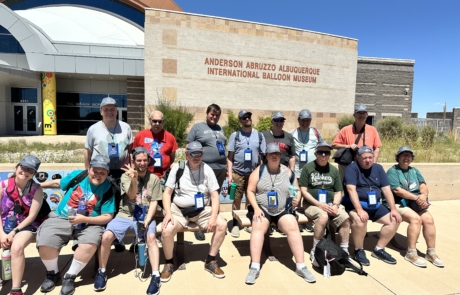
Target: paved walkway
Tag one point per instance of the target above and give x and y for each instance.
(277, 277)
(45, 138)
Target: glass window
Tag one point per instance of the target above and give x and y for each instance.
(24, 95)
(9, 44)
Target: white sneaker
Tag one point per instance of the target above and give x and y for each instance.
(235, 232)
(312, 258)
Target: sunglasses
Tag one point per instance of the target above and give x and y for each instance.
(245, 118)
(326, 153)
(27, 169)
(279, 120)
(157, 121)
(196, 154)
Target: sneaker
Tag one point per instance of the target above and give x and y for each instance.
(213, 268)
(308, 227)
(199, 235)
(133, 247)
(415, 259)
(16, 292)
(50, 282)
(167, 272)
(159, 241)
(252, 276)
(306, 274)
(301, 227)
(312, 258)
(248, 229)
(100, 281)
(67, 284)
(119, 247)
(434, 259)
(154, 286)
(383, 255)
(280, 231)
(235, 232)
(271, 229)
(360, 256)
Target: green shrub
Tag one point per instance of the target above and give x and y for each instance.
(264, 124)
(428, 133)
(177, 118)
(390, 127)
(233, 124)
(345, 121)
(410, 133)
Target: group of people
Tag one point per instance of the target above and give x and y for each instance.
(120, 191)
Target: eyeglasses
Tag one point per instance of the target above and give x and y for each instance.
(100, 173)
(245, 118)
(27, 169)
(157, 121)
(326, 153)
(196, 154)
(279, 120)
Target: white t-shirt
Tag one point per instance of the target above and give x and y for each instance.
(201, 180)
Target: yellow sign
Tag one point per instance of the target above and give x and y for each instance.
(49, 103)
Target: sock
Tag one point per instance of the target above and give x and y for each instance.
(102, 269)
(155, 273)
(378, 248)
(356, 249)
(76, 267)
(431, 251)
(210, 258)
(344, 247)
(16, 289)
(169, 261)
(411, 251)
(300, 265)
(255, 265)
(51, 265)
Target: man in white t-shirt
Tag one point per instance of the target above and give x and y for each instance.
(195, 190)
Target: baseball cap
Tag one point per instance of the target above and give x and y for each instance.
(100, 161)
(305, 114)
(108, 100)
(277, 115)
(242, 113)
(143, 150)
(360, 108)
(323, 144)
(272, 148)
(404, 149)
(365, 149)
(194, 146)
(30, 162)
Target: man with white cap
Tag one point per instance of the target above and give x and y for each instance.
(366, 183)
(246, 148)
(196, 189)
(356, 135)
(95, 193)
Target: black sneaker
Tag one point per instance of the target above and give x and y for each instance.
(383, 255)
(199, 235)
(271, 229)
(360, 256)
(67, 285)
(154, 286)
(50, 282)
(308, 227)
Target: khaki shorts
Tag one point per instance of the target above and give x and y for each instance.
(241, 184)
(313, 212)
(201, 219)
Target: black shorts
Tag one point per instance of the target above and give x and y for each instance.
(270, 218)
(374, 214)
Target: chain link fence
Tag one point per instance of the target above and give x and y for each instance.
(440, 125)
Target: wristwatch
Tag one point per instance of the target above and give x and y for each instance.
(16, 230)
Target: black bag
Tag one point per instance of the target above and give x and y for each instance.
(333, 259)
(345, 156)
(190, 211)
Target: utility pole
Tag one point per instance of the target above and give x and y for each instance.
(444, 118)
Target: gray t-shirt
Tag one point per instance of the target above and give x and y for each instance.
(99, 138)
(279, 183)
(208, 137)
(201, 180)
(307, 141)
(246, 140)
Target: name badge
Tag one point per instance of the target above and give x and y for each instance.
(412, 185)
(322, 196)
(112, 149)
(372, 196)
(272, 199)
(158, 160)
(139, 212)
(148, 140)
(199, 201)
(303, 156)
(220, 147)
(248, 155)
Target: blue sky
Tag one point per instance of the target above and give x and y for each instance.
(421, 30)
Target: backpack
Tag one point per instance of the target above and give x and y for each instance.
(164, 179)
(318, 137)
(333, 259)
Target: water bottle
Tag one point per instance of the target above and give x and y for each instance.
(10, 224)
(6, 264)
(224, 189)
(293, 191)
(232, 190)
(142, 254)
(83, 211)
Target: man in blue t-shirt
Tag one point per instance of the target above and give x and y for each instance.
(365, 183)
(94, 192)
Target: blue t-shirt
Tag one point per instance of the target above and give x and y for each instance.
(92, 192)
(246, 140)
(365, 180)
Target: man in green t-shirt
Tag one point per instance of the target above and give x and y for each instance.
(321, 188)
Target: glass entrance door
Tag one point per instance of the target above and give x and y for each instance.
(25, 119)
(123, 114)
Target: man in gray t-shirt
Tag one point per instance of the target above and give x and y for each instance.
(245, 148)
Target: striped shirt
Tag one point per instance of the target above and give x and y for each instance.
(280, 183)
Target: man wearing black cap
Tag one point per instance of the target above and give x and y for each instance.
(139, 188)
(366, 183)
(94, 193)
(245, 149)
(356, 135)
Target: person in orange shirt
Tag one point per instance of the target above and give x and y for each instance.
(347, 136)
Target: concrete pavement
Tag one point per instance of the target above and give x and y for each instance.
(276, 277)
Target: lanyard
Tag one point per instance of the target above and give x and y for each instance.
(302, 140)
(369, 184)
(25, 188)
(273, 181)
(407, 177)
(199, 175)
(92, 193)
(112, 134)
(213, 131)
